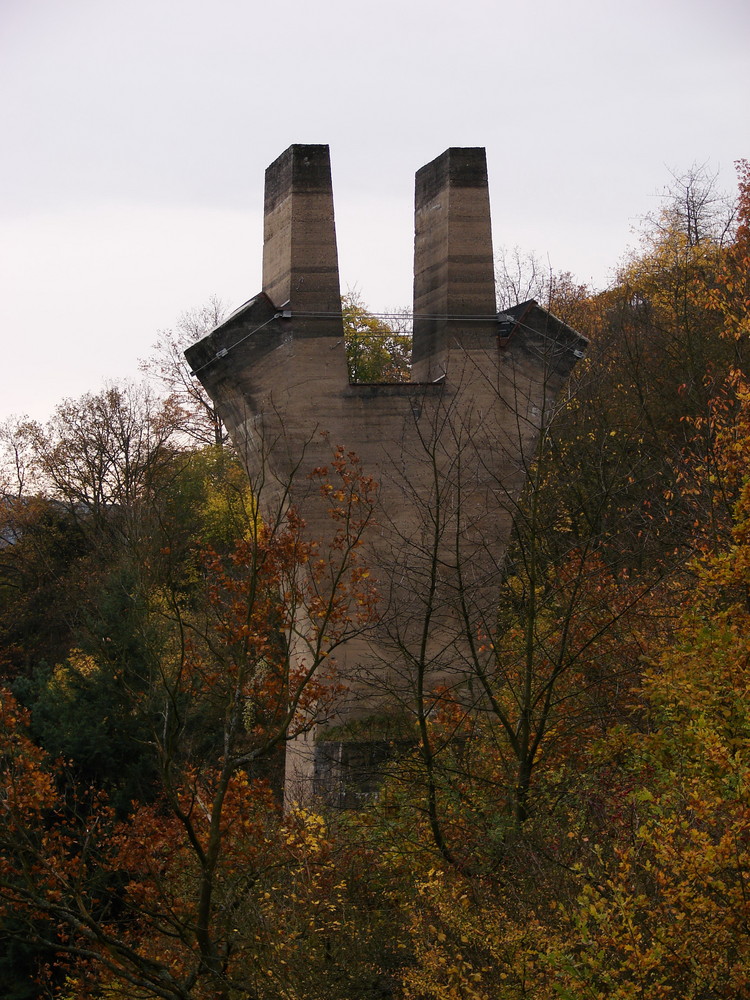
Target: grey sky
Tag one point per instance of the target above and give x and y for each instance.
(135, 135)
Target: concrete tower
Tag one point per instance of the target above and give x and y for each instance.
(449, 449)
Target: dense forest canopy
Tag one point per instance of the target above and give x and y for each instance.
(587, 834)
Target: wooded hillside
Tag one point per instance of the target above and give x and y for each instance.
(586, 834)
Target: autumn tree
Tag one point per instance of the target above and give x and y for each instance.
(521, 276)
(199, 421)
(517, 659)
(16, 456)
(102, 453)
(630, 880)
(636, 883)
(89, 484)
(376, 350)
(606, 497)
(642, 397)
(664, 903)
(168, 912)
(730, 295)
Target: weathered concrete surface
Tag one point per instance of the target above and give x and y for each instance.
(454, 278)
(450, 449)
(300, 259)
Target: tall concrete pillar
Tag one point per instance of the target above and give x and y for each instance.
(300, 260)
(454, 280)
(280, 380)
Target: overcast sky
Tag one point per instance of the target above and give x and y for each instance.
(135, 134)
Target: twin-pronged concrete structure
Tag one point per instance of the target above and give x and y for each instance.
(450, 449)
